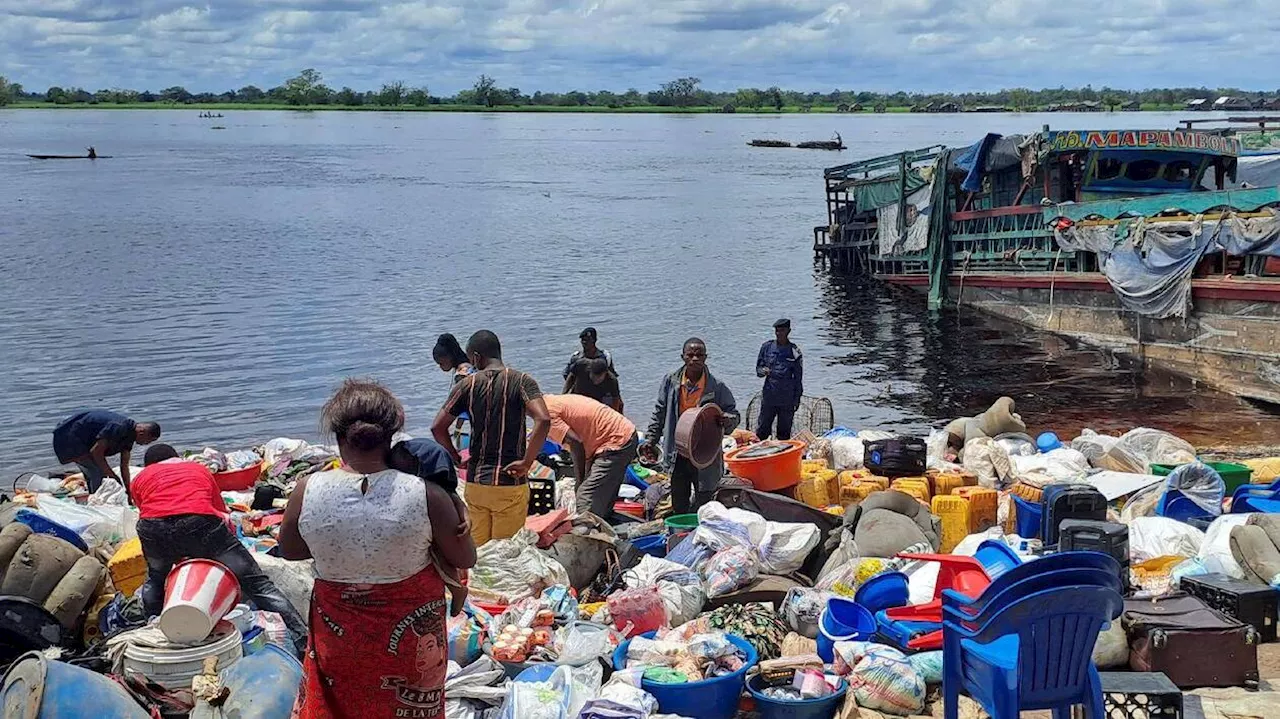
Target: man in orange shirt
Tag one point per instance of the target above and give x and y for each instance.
(603, 444)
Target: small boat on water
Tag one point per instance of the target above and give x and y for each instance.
(69, 157)
(836, 144)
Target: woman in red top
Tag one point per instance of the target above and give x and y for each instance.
(182, 516)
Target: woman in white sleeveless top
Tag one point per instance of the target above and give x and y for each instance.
(377, 645)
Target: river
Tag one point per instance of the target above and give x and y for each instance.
(224, 281)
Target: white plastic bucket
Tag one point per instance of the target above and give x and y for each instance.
(197, 594)
(174, 667)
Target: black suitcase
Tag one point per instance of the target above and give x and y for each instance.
(1087, 535)
(1253, 604)
(1069, 501)
(895, 457)
(1195, 646)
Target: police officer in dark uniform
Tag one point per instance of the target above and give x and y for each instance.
(782, 366)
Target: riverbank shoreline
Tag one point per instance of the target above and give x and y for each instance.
(537, 109)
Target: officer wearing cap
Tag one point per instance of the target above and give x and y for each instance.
(782, 366)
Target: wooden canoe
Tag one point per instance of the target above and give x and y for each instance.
(67, 157)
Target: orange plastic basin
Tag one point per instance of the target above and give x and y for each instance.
(238, 480)
(774, 472)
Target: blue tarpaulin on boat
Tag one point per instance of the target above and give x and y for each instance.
(1150, 264)
(973, 160)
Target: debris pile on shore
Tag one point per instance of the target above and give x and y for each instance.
(823, 580)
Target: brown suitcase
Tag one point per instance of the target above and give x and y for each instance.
(1194, 645)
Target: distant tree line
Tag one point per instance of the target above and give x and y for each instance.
(308, 89)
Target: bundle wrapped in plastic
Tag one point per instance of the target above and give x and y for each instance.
(680, 587)
(508, 570)
(885, 681)
(990, 461)
(720, 527)
(729, 570)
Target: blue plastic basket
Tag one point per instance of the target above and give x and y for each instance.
(708, 699)
(1029, 515)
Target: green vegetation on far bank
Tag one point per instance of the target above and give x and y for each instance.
(307, 91)
(278, 106)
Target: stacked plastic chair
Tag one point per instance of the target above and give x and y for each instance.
(1026, 642)
(919, 627)
(1256, 498)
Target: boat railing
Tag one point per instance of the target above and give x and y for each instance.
(884, 162)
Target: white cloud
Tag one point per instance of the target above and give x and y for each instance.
(615, 44)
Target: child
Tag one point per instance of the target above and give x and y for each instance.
(425, 458)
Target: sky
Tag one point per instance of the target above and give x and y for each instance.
(561, 45)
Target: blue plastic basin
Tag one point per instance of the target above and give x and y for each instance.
(708, 699)
(41, 524)
(653, 545)
(823, 708)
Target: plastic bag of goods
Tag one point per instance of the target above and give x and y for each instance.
(466, 636)
(1215, 552)
(1112, 648)
(1155, 446)
(636, 611)
(720, 527)
(846, 452)
(508, 570)
(1060, 465)
(1152, 537)
(580, 643)
(104, 524)
(785, 546)
(885, 681)
(989, 461)
(729, 570)
(1201, 484)
(540, 700)
(679, 586)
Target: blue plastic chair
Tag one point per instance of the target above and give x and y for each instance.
(1268, 491)
(996, 557)
(1058, 569)
(1025, 649)
(1251, 503)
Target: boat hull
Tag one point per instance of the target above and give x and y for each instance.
(1230, 341)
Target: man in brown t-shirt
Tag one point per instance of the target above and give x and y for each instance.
(498, 399)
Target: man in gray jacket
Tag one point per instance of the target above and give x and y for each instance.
(689, 387)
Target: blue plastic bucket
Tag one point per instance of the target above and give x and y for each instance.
(708, 699)
(1028, 518)
(823, 708)
(654, 545)
(41, 524)
(843, 621)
